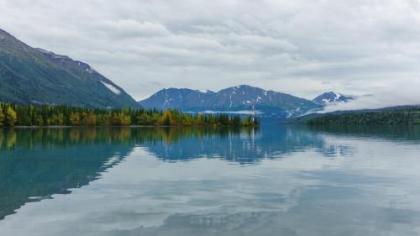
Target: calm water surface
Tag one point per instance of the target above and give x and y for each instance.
(277, 180)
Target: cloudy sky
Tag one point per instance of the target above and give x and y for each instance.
(369, 48)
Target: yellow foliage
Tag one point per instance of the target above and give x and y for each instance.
(11, 117)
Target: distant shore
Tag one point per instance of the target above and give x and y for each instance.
(112, 126)
(405, 115)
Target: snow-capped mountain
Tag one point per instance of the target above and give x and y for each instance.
(36, 76)
(330, 98)
(242, 98)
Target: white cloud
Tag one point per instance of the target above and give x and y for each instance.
(301, 47)
(126, 29)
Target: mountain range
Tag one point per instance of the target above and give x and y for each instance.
(36, 76)
(240, 99)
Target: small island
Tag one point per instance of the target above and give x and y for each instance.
(12, 115)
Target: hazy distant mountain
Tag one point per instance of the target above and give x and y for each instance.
(35, 76)
(328, 98)
(234, 99)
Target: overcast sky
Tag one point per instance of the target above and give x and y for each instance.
(369, 48)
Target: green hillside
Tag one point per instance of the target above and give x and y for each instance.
(35, 76)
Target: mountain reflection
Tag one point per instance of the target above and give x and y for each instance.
(38, 163)
(243, 146)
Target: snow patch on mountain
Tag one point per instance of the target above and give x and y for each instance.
(112, 88)
(204, 91)
(241, 112)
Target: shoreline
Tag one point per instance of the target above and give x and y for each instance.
(120, 126)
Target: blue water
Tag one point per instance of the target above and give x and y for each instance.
(276, 180)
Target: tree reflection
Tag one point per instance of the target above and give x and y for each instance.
(28, 138)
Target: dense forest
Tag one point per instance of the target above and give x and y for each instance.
(391, 116)
(47, 115)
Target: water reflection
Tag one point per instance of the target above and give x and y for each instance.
(149, 181)
(245, 147)
(49, 137)
(392, 133)
(36, 163)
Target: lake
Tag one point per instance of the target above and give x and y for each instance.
(275, 180)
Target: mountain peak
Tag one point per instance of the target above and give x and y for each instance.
(331, 97)
(244, 86)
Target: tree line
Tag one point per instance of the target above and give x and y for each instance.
(386, 117)
(64, 137)
(48, 115)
